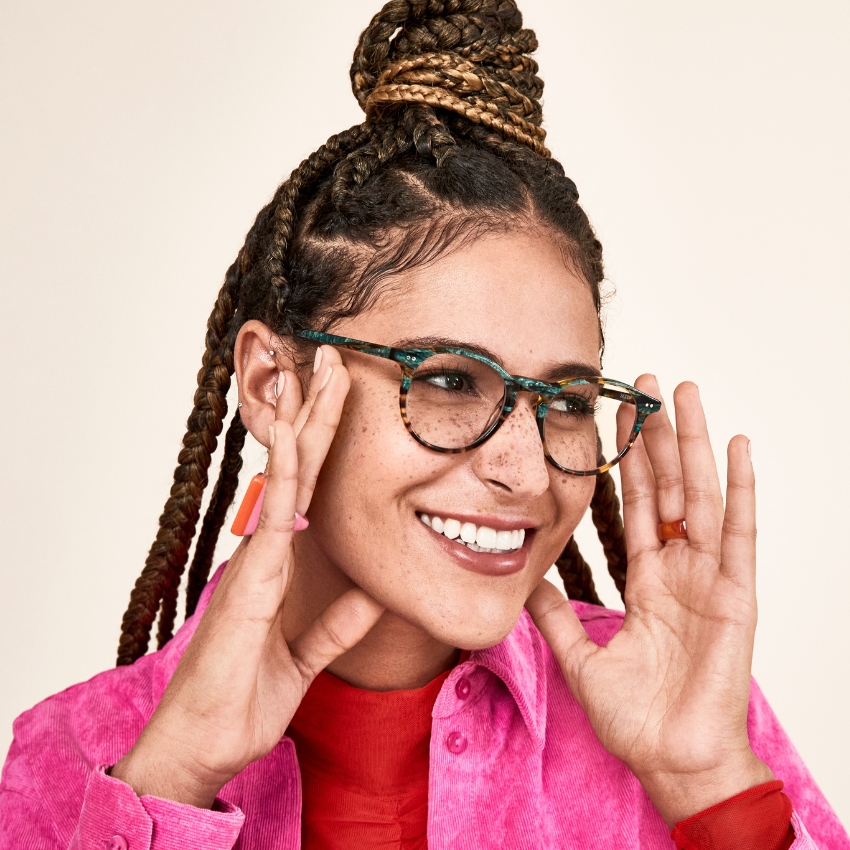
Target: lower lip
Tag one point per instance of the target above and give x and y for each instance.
(485, 563)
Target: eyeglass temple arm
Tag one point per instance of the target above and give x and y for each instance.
(644, 403)
(409, 356)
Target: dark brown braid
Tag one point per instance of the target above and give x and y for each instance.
(159, 581)
(452, 147)
(222, 497)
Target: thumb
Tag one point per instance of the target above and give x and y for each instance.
(560, 626)
(342, 625)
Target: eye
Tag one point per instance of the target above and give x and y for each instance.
(452, 382)
(573, 405)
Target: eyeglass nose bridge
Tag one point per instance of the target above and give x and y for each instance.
(517, 384)
(541, 392)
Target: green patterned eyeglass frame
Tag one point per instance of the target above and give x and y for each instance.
(411, 358)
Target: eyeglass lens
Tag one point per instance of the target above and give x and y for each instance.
(454, 399)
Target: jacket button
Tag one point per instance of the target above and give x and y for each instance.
(456, 743)
(463, 688)
(117, 842)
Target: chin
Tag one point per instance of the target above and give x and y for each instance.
(478, 626)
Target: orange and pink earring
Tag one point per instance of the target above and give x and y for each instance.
(248, 514)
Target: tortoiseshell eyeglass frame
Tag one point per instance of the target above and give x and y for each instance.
(411, 358)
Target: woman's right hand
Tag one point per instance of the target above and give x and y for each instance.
(239, 681)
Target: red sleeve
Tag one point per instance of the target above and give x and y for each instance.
(757, 819)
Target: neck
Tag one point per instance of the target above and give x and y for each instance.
(395, 655)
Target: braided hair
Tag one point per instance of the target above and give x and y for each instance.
(452, 147)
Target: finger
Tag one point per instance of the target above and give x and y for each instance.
(342, 625)
(738, 542)
(640, 506)
(701, 485)
(267, 555)
(290, 399)
(662, 449)
(561, 628)
(327, 357)
(318, 432)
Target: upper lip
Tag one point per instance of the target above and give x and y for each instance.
(497, 523)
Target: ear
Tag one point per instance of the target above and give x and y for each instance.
(258, 362)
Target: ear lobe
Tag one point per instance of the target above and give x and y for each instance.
(258, 363)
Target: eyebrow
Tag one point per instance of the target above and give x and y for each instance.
(556, 372)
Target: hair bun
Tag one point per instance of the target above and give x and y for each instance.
(471, 57)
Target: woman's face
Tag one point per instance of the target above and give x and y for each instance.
(511, 295)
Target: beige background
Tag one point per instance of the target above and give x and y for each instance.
(710, 143)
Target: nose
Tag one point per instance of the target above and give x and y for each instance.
(512, 459)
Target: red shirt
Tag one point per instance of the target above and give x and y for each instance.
(364, 758)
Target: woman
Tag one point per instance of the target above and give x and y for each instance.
(439, 484)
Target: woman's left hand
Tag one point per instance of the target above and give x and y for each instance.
(669, 693)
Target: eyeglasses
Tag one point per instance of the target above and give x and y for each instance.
(452, 400)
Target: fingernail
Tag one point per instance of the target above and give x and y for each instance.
(301, 522)
(750, 449)
(281, 383)
(318, 361)
(326, 378)
(271, 435)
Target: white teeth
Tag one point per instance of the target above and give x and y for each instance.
(486, 537)
(478, 538)
(451, 528)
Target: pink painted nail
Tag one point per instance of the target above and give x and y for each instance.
(301, 522)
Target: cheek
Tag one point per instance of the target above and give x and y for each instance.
(572, 495)
(371, 461)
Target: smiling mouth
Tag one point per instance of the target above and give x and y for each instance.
(478, 538)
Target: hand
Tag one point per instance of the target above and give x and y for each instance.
(669, 694)
(239, 683)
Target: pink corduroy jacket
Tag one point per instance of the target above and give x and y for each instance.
(514, 764)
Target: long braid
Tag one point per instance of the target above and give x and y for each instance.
(222, 497)
(160, 577)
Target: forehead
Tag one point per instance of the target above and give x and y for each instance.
(514, 294)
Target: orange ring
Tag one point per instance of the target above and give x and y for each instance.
(676, 530)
